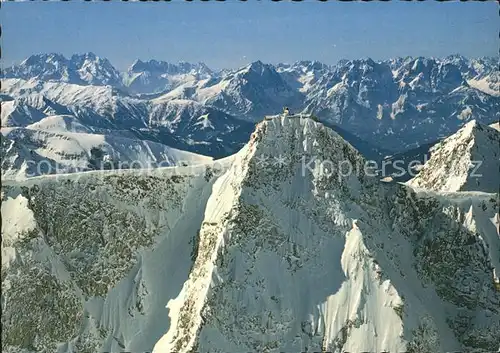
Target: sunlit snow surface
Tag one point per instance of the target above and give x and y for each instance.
(465, 161)
(240, 255)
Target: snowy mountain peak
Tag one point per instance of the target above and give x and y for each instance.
(40, 58)
(272, 172)
(164, 67)
(258, 67)
(288, 144)
(149, 65)
(456, 59)
(251, 92)
(82, 69)
(270, 250)
(88, 55)
(136, 65)
(81, 59)
(301, 134)
(303, 66)
(307, 260)
(154, 76)
(466, 161)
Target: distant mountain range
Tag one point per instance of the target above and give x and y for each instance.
(390, 106)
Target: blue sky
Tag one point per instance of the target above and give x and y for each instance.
(231, 34)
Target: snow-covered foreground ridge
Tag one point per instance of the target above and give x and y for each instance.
(248, 257)
(48, 148)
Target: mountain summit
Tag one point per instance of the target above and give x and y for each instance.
(280, 247)
(466, 161)
(154, 76)
(294, 259)
(87, 69)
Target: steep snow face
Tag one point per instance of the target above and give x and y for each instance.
(455, 249)
(468, 160)
(294, 258)
(277, 248)
(89, 261)
(251, 92)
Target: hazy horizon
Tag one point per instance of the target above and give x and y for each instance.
(231, 35)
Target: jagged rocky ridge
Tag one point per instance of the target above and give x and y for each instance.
(159, 76)
(469, 160)
(251, 253)
(401, 105)
(396, 105)
(180, 124)
(86, 69)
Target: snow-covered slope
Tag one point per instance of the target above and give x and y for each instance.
(19, 161)
(100, 99)
(60, 123)
(397, 104)
(489, 84)
(24, 110)
(294, 260)
(89, 260)
(184, 124)
(468, 160)
(61, 141)
(302, 75)
(263, 251)
(249, 93)
(159, 76)
(402, 104)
